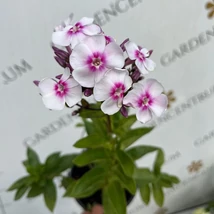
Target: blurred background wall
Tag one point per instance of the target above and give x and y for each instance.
(182, 36)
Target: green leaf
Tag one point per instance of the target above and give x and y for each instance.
(50, 195)
(139, 151)
(159, 161)
(66, 162)
(165, 183)
(158, 194)
(126, 163)
(114, 201)
(20, 192)
(88, 184)
(88, 113)
(170, 178)
(35, 191)
(143, 176)
(25, 181)
(126, 123)
(125, 181)
(66, 182)
(133, 135)
(33, 158)
(90, 156)
(145, 193)
(52, 162)
(91, 141)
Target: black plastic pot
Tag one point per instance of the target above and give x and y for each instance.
(96, 198)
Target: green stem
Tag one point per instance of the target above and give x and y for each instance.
(109, 124)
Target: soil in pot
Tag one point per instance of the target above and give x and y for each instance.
(96, 198)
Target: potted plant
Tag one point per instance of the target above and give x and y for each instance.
(101, 85)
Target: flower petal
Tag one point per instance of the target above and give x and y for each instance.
(149, 64)
(65, 75)
(131, 49)
(159, 104)
(114, 56)
(131, 99)
(91, 30)
(61, 38)
(77, 38)
(102, 88)
(141, 67)
(71, 82)
(73, 96)
(99, 75)
(145, 52)
(86, 21)
(46, 86)
(53, 102)
(144, 115)
(96, 43)
(110, 106)
(79, 56)
(153, 87)
(84, 77)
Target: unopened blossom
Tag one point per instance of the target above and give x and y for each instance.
(141, 57)
(74, 34)
(56, 93)
(111, 89)
(147, 98)
(92, 59)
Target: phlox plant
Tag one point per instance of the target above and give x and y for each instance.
(101, 81)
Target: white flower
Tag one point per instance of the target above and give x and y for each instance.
(141, 57)
(72, 35)
(111, 89)
(92, 59)
(56, 93)
(146, 98)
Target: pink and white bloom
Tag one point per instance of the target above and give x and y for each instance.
(92, 59)
(147, 98)
(111, 89)
(141, 57)
(74, 34)
(56, 93)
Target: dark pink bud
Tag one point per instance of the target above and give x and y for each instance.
(150, 52)
(88, 92)
(59, 76)
(128, 62)
(68, 48)
(136, 75)
(69, 66)
(36, 82)
(75, 113)
(60, 61)
(124, 111)
(123, 43)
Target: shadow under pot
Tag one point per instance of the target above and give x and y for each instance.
(76, 173)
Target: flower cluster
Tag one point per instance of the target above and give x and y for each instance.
(95, 65)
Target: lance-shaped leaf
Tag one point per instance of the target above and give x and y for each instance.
(126, 163)
(139, 151)
(114, 201)
(125, 181)
(158, 194)
(159, 161)
(20, 192)
(90, 156)
(33, 159)
(88, 184)
(35, 191)
(25, 181)
(145, 193)
(91, 141)
(50, 195)
(133, 135)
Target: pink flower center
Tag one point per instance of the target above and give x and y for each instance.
(61, 89)
(75, 29)
(117, 91)
(144, 101)
(96, 62)
(140, 55)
